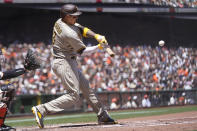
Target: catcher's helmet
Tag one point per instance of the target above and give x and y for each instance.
(69, 9)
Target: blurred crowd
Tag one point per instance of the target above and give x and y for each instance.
(134, 68)
(172, 3)
(152, 100)
(175, 3)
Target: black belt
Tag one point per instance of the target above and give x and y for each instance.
(72, 57)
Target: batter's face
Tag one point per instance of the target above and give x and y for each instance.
(70, 19)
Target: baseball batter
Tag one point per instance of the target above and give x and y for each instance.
(67, 44)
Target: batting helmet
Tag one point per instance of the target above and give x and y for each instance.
(69, 9)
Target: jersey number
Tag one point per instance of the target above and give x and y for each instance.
(59, 31)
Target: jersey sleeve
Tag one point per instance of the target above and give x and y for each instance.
(1, 75)
(77, 44)
(72, 36)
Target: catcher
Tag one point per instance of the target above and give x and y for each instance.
(7, 92)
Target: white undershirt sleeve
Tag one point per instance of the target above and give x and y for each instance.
(89, 50)
(1, 74)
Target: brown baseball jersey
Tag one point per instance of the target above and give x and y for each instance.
(67, 40)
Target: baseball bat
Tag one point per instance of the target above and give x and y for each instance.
(110, 52)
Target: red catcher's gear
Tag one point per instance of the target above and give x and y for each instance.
(3, 111)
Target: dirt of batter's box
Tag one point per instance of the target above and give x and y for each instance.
(186, 121)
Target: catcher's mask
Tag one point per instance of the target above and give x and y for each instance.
(69, 9)
(7, 93)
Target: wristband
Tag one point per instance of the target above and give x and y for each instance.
(85, 30)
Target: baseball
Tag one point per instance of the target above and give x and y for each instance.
(161, 43)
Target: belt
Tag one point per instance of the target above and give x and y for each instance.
(71, 57)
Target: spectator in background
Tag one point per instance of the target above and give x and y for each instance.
(146, 102)
(182, 99)
(134, 102)
(172, 100)
(172, 3)
(188, 85)
(155, 99)
(128, 103)
(195, 78)
(114, 104)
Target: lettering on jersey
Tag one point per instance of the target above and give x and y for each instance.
(53, 37)
(58, 29)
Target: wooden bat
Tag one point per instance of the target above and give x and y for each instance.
(108, 49)
(110, 52)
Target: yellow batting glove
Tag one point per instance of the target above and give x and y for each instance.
(85, 30)
(100, 46)
(100, 38)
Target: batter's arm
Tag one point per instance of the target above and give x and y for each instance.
(89, 50)
(101, 39)
(90, 34)
(86, 32)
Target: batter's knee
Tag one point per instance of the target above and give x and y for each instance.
(75, 96)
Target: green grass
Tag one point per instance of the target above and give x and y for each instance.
(91, 117)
